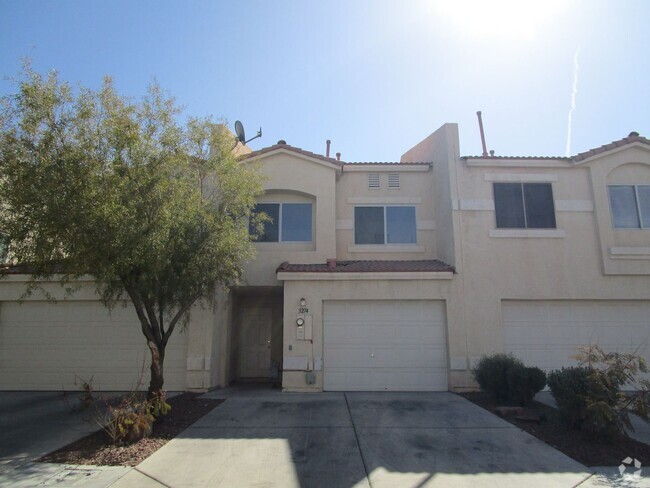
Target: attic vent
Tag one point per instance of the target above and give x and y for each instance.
(373, 181)
(393, 180)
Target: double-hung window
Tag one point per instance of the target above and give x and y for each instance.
(524, 206)
(385, 225)
(289, 222)
(630, 206)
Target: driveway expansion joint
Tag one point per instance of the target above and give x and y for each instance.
(356, 437)
(152, 477)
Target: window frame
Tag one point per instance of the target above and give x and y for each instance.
(385, 225)
(280, 219)
(522, 185)
(637, 202)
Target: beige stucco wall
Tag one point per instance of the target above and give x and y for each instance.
(289, 177)
(416, 189)
(333, 286)
(441, 148)
(570, 262)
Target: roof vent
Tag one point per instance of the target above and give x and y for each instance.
(282, 141)
(633, 134)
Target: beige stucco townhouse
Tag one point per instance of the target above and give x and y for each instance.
(386, 276)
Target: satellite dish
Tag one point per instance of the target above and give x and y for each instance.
(241, 135)
(239, 130)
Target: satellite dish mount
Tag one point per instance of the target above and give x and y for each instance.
(241, 135)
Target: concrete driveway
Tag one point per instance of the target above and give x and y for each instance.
(272, 439)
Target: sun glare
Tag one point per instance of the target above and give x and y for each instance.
(509, 19)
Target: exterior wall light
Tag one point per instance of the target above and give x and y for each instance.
(303, 302)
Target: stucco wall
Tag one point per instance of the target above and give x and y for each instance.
(363, 287)
(416, 189)
(570, 262)
(289, 177)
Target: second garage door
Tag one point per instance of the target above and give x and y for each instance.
(58, 345)
(385, 345)
(547, 333)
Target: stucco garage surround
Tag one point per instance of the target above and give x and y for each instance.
(546, 333)
(385, 345)
(46, 345)
(404, 319)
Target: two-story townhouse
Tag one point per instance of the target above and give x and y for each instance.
(387, 276)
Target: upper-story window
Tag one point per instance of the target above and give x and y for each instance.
(384, 225)
(630, 206)
(290, 222)
(524, 205)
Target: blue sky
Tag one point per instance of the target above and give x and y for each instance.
(375, 77)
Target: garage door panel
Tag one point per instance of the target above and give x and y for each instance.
(44, 345)
(621, 326)
(385, 345)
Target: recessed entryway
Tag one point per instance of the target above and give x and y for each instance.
(256, 340)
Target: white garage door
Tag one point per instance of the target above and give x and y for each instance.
(397, 345)
(43, 345)
(546, 333)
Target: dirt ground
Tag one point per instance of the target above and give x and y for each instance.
(96, 449)
(573, 443)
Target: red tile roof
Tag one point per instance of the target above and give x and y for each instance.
(393, 163)
(578, 157)
(297, 150)
(376, 266)
(612, 145)
(517, 157)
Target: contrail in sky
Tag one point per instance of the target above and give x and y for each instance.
(574, 92)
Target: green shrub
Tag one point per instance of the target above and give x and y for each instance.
(590, 396)
(491, 374)
(524, 382)
(507, 380)
(569, 387)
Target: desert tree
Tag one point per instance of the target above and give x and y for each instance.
(95, 183)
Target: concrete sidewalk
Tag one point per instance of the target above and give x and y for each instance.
(33, 424)
(355, 440)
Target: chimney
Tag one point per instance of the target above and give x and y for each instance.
(331, 263)
(327, 148)
(338, 156)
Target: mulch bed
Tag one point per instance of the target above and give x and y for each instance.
(573, 443)
(97, 450)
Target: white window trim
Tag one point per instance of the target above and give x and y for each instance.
(523, 202)
(638, 208)
(523, 233)
(280, 241)
(385, 244)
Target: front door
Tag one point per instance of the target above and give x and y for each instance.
(255, 343)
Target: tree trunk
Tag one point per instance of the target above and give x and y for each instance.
(157, 360)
